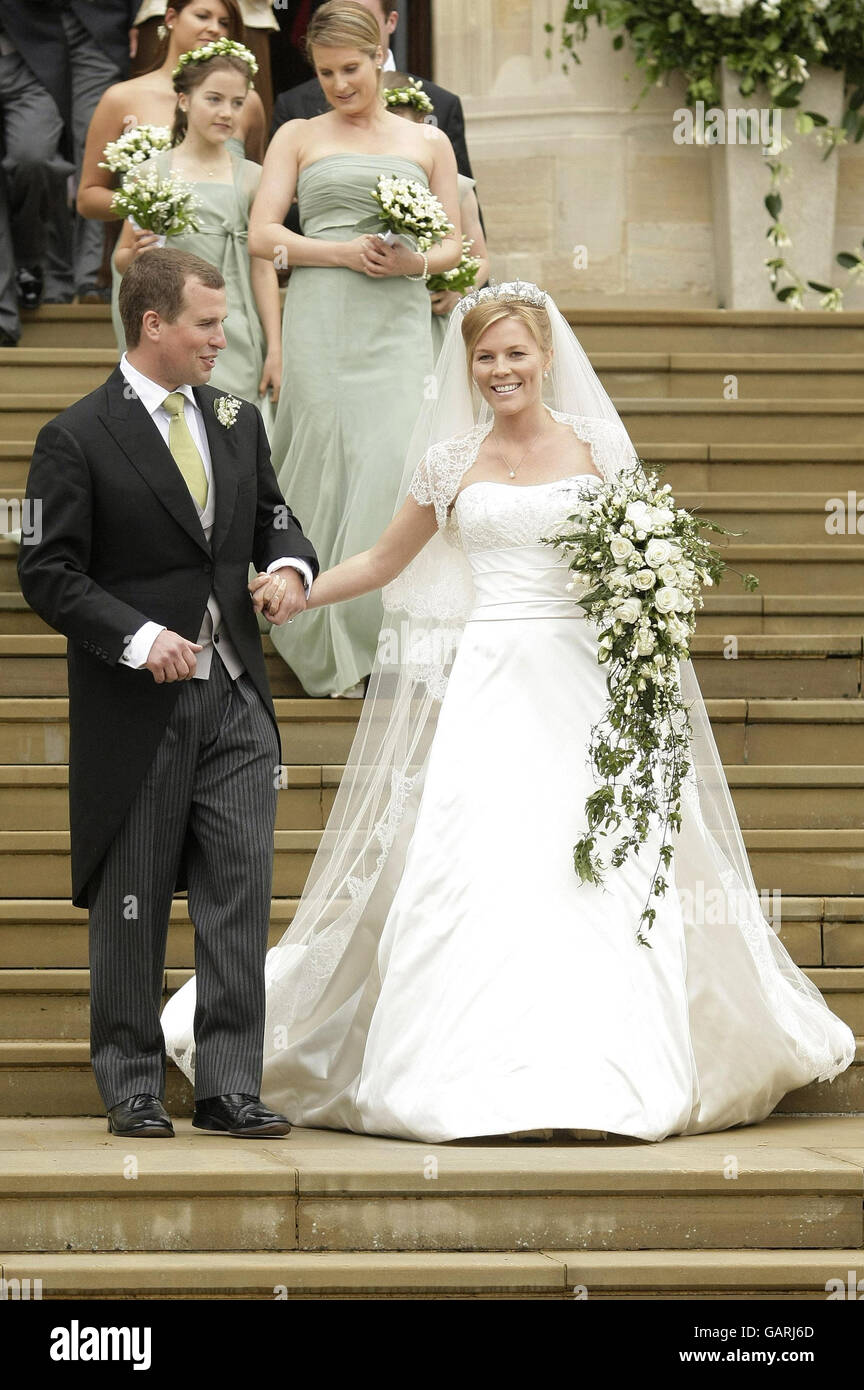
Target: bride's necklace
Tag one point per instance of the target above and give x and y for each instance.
(510, 469)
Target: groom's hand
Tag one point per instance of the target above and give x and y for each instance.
(172, 658)
(280, 596)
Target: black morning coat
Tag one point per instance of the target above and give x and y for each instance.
(122, 545)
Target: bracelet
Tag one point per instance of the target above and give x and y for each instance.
(424, 272)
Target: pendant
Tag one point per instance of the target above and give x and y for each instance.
(512, 474)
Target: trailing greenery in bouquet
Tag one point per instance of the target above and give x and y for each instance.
(409, 211)
(133, 147)
(638, 565)
(165, 206)
(461, 277)
(769, 42)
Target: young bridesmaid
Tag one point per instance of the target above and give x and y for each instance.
(150, 99)
(211, 96)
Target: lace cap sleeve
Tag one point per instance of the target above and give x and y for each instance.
(437, 476)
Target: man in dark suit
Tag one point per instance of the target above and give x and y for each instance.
(307, 99)
(157, 492)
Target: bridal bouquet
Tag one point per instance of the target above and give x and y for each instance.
(639, 565)
(123, 155)
(410, 210)
(461, 277)
(165, 206)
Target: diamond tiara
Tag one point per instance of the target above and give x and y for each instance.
(510, 290)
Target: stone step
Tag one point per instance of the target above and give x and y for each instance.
(75, 1192)
(826, 862)
(596, 1275)
(755, 665)
(48, 369)
(64, 326)
(715, 330)
(828, 797)
(54, 1005)
(745, 467)
(50, 1077)
(36, 731)
(729, 613)
(793, 518)
(776, 421)
(828, 568)
(744, 375)
(51, 933)
(825, 731)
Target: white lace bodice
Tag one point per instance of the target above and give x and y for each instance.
(492, 515)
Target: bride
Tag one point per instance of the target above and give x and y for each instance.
(447, 974)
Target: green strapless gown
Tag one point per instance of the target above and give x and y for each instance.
(222, 240)
(356, 354)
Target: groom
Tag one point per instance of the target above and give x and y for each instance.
(157, 493)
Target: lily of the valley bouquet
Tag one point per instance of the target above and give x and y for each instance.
(409, 211)
(124, 154)
(162, 205)
(638, 566)
(461, 277)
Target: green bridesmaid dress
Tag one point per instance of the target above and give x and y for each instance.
(223, 218)
(357, 354)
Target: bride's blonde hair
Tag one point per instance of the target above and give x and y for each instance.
(483, 315)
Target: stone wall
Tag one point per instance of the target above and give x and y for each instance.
(564, 162)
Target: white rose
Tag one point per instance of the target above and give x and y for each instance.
(661, 516)
(657, 553)
(668, 599)
(628, 610)
(643, 579)
(639, 513)
(621, 548)
(667, 574)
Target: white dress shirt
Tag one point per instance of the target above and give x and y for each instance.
(152, 395)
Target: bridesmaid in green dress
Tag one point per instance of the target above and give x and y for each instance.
(357, 344)
(211, 96)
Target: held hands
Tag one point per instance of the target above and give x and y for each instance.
(280, 596)
(172, 658)
(372, 256)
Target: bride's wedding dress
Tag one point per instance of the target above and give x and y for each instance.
(504, 994)
(448, 975)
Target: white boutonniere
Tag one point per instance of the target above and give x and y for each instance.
(226, 410)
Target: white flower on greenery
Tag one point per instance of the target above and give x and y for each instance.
(639, 513)
(727, 9)
(668, 599)
(621, 548)
(628, 610)
(643, 579)
(657, 553)
(134, 146)
(227, 408)
(645, 643)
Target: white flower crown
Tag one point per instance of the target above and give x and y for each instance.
(219, 48)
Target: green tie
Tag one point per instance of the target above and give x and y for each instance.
(183, 450)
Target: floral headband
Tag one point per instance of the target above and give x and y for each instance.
(219, 48)
(412, 95)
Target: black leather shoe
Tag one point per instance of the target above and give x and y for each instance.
(30, 286)
(241, 1115)
(140, 1117)
(6, 339)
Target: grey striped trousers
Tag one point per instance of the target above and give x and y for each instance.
(210, 798)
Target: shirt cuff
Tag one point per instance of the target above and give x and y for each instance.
(135, 654)
(300, 566)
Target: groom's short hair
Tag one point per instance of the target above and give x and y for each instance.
(157, 280)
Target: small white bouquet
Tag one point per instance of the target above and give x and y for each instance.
(409, 211)
(123, 155)
(461, 277)
(165, 206)
(638, 566)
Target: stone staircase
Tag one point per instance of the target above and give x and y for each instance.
(332, 1215)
